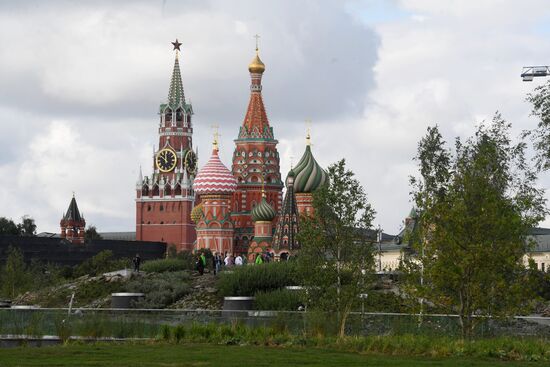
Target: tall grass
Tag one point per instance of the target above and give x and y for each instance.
(518, 349)
(247, 280)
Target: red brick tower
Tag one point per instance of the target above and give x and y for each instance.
(215, 185)
(165, 199)
(255, 162)
(73, 224)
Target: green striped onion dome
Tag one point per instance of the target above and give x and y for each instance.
(309, 176)
(196, 213)
(263, 212)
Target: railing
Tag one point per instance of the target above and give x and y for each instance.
(147, 323)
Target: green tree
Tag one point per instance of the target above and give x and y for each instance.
(540, 101)
(337, 245)
(14, 278)
(27, 227)
(91, 234)
(476, 209)
(8, 226)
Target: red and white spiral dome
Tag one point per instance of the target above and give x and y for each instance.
(214, 177)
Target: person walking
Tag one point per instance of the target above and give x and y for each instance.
(259, 259)
(217, 263)
(203, 260)
(137, 263)
(238, 260)
(200, 265)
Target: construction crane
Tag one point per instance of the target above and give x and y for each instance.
(531, 72)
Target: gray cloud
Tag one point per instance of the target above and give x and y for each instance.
(81, 84)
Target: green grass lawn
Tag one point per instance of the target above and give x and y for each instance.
(165, 355)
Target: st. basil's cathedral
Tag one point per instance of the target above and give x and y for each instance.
(237, 211)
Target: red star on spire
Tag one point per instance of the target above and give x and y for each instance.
(176, 45)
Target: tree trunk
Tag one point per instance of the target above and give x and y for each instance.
(343, 319)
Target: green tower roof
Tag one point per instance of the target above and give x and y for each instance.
(176, 97)
(263, 212)
(309, 174)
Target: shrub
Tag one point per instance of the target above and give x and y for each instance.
(164, 265)
(160, 289)
(101, 263)
(381, 301)
(278, 300)
(248, 280)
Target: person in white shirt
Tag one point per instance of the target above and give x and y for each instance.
(238, 260)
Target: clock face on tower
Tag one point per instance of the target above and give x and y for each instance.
(191, 162)
(166, 160)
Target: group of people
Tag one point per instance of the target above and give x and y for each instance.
(264, 257)
(229, 260)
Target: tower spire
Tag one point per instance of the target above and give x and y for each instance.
(176, 96)
(256, 124)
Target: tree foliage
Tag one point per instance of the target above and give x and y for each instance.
(540, 101)
(337, 253)
(8, 227)
(91, 234)
(27, 227)
(14, 277)
(476, 209)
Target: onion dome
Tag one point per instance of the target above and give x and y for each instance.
(197, 213)
(290, 177)
(214, 177)
(256, 66)
(263, 212)
(309, 176)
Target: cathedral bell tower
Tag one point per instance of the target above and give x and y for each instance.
(165, 198)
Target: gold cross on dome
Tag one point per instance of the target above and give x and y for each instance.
(257, 36)
(215, 128)
(308, 131)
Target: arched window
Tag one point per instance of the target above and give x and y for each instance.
(156, 190)
(179, 117)
(167, 190)
(177, 191)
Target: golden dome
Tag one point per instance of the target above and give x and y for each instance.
(256, 66)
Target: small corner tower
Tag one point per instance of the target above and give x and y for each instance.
(73, 224)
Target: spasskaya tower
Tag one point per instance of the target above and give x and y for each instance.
(165, 198)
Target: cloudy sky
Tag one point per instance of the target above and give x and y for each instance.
(80, 85)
